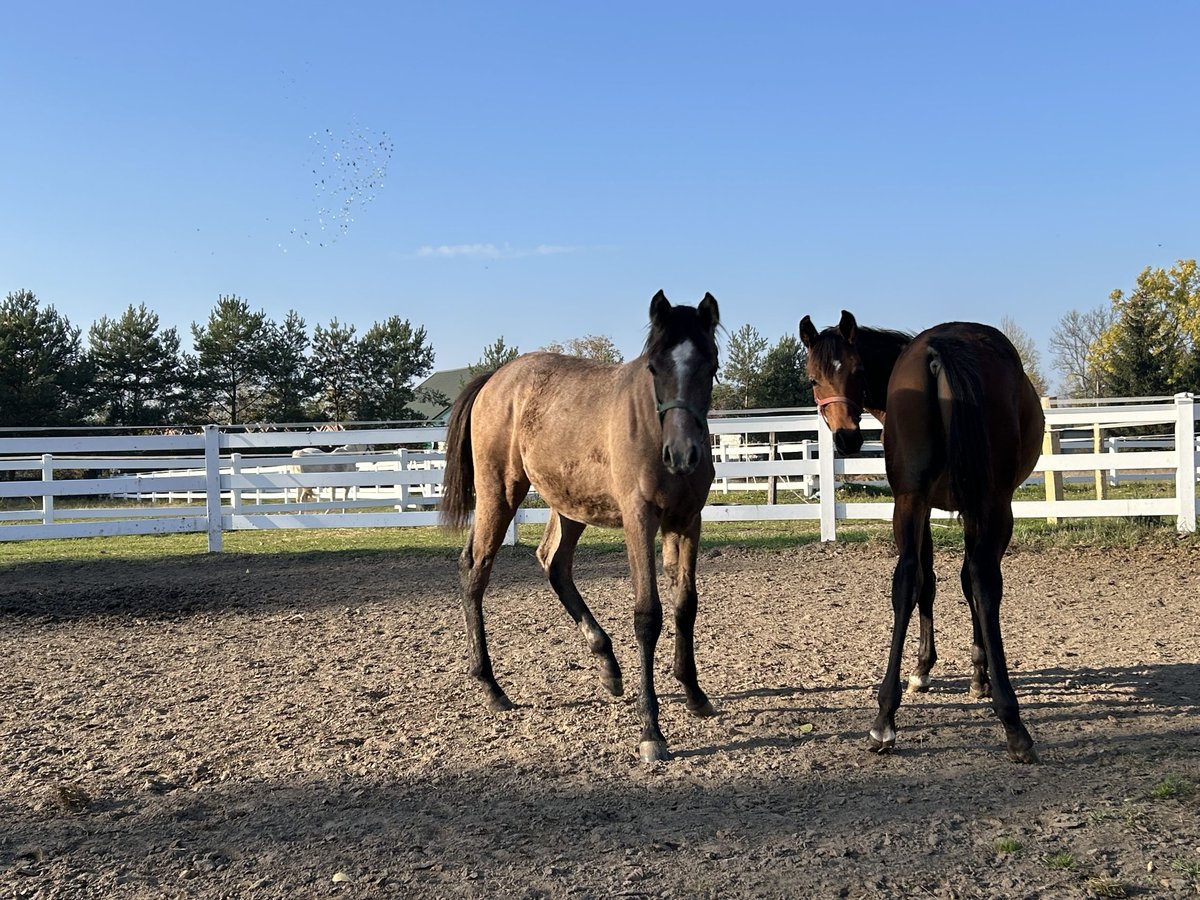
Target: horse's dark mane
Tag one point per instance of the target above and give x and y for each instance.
(879, 349)
(684, 323)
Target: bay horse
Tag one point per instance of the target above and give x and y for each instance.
(962, 429)
(612, 445)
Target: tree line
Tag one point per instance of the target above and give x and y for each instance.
(243, 367)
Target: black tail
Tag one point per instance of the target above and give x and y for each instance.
(968, 452)
(458, 483)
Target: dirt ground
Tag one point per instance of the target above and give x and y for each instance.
(301, 726)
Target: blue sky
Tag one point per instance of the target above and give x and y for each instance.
(539, 170)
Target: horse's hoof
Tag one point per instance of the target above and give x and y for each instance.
(653, 751)
(703, 711)
(881, 741)
(1026, 756)
(980, 691)
(918, 684)
(615, 686)
(500, 703)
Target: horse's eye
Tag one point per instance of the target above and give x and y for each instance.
(650, 366)
(812, 382)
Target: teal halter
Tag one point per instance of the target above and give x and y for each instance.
(664, 407)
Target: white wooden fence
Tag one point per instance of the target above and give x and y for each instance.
(216, 481)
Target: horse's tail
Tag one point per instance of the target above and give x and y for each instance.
(960, 397)
(458, 482)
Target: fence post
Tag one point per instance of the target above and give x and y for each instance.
(47, 499)
(771, 484)
(826, 484)
(1097, 447)
(235, 494)
(401, 465)
(810, 481)
(1052, 445)
(212, 485)
(1185, 466)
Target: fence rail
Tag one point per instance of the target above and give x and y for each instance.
(216, 481)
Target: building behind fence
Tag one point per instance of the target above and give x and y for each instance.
(216, 480)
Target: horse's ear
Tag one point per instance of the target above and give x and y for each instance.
(660, 306)
(808, 332)
(848, 326)
(710, 313)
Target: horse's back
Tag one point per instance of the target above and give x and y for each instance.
(557, 421)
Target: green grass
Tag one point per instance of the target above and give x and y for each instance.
(1063, 861)
(1172, 787)
(1007, 846)
(767, 536)
(1103, 886)
(1188, 868)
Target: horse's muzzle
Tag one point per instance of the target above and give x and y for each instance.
(681, 457)
(848, 441)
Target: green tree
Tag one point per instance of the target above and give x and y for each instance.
(494, 356)
(232, 361)
(783, 380)
(393, 356)
(1138, 354)
(137, 378)
(741, 372)
(599, 347)
(289, 380)
(335, 370)
(1153, 347)
(1031, 357)
(43, 369)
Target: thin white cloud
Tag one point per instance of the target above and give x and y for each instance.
(491, 251)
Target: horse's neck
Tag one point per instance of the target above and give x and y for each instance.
(880, 350)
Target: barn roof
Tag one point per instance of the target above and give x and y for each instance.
(448, 383)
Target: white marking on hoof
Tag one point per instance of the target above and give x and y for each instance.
(918, 684)
(885, 737)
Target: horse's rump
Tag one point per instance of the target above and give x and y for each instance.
(981, 393)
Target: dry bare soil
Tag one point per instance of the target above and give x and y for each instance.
(301, 726)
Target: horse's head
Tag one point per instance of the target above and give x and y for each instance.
(681, 354)
(838, 377)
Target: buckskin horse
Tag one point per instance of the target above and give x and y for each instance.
(962, 429)
(611, 445)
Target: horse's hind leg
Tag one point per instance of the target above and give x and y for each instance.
(679, 564)
(909, 527)
(918, 681)
(987, 586)
(980, 685)
(556, 553)
(493, 512)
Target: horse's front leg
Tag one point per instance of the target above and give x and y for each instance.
(679, 564)
(647, 626)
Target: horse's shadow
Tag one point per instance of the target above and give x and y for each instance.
(1123, 693)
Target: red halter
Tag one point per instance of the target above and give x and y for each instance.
(855, 409)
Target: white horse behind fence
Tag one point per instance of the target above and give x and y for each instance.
(313, 459)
